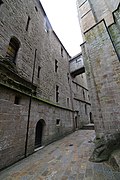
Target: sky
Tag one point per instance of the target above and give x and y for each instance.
(63, 17)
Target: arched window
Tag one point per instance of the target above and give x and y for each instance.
(12, 50)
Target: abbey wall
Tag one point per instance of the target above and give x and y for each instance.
(36, 88)
(100, 26)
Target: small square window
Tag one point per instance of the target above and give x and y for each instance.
(57, 122)
(17, 100)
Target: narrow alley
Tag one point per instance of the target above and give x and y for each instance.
(66, 159)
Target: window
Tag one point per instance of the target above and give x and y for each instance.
(39, 68)
(17, 100)
(83, 94)
(67, 102)
(57, 93)
(56, 65)
(68, 77)
(61, 51)
(1, 2)
(57, 122)
(36, 9)
(85, 109)
(13, 49)
(28, 21)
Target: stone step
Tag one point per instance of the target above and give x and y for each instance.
(88, 127)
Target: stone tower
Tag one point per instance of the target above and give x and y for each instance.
(100, 26)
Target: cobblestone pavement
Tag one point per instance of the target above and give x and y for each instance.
(66, 159)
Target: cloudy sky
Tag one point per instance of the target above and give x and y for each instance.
(63, 18)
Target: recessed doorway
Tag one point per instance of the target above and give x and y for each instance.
(39, 133)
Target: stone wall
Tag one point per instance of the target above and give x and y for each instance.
(19, 78)
(92, 11)
(101, 57)
(13, 125)
(81, 100)
(51, 131)
(80, 94)
(47, 44)
(28, 86)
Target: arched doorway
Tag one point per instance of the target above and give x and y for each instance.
(39, 133)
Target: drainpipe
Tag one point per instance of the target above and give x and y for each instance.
(29, 108)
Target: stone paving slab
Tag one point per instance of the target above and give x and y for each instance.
(66, 159)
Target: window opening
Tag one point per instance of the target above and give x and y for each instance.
(68, 77)
(56, 65)
(36, 8)
(57, 122)
(17, 100)
(85, 109)
(12, 50)
(28, 21)
(83, 94)
(68, 102)
(57, 93)
(39, 68)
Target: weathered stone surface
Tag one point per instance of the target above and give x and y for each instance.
(101, 55)
(32, 79)
(114, 160)
(105, 146)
